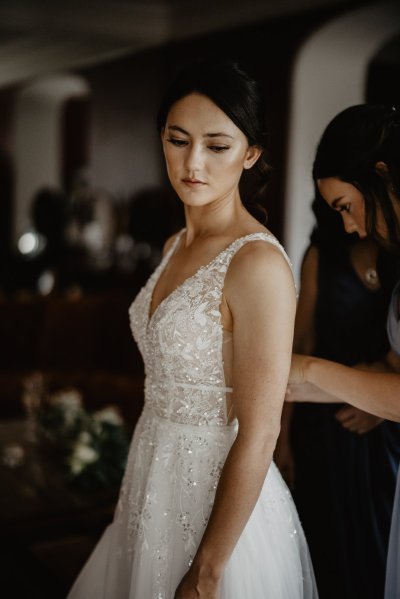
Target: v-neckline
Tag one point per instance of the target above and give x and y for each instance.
(158, 273)
(164, 263)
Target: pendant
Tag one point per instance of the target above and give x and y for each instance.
(371, 276)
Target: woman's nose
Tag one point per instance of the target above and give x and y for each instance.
(349, 225)
(194, 158)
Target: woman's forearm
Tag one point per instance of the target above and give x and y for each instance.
(238, 489)
(376, 393)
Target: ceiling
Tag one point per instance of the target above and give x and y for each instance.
(39, 37)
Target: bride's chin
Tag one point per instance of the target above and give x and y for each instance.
(194, 200)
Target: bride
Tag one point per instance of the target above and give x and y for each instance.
(203, 511)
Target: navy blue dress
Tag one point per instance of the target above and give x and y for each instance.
(345, 482)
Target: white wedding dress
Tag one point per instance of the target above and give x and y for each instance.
(177, 453)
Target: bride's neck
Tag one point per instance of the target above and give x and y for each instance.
(212, 219)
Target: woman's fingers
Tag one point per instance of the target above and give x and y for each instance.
(356, 420)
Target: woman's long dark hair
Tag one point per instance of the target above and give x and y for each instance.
(329, 235)
(351, 146)
(235, 92)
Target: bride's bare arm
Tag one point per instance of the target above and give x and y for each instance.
(260, 294)
(303, 343)
(375, 392)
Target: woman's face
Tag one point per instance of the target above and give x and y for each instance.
(346, 199)
(205, 151)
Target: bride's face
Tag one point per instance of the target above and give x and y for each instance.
(205, 152)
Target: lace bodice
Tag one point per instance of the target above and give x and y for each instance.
(181, 343)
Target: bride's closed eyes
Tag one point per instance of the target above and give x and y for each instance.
(181, 143)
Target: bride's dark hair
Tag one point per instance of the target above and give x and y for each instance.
(236, 93)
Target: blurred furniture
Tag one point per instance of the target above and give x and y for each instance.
(83, 342)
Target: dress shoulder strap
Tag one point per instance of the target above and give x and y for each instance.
(235, 246)
(223, 260)
(171, 250)
(174, 244)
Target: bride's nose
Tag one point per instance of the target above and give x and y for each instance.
(194, 158)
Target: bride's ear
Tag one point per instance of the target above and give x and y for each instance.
(253, 154)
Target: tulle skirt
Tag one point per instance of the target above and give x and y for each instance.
(166, 498)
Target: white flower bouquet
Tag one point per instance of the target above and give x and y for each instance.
(92, 446)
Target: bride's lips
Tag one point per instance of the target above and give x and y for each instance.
(193, 182)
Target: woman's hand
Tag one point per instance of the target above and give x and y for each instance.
(193, 586)
(356, 420)
(307, 392)
(298, 366)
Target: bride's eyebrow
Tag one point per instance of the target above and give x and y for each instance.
(180, 130)
(218, 135)
(176, 128)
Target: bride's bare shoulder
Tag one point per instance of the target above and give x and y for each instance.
(261, 259)
(260, 253)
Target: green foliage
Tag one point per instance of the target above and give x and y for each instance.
(93, 447)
